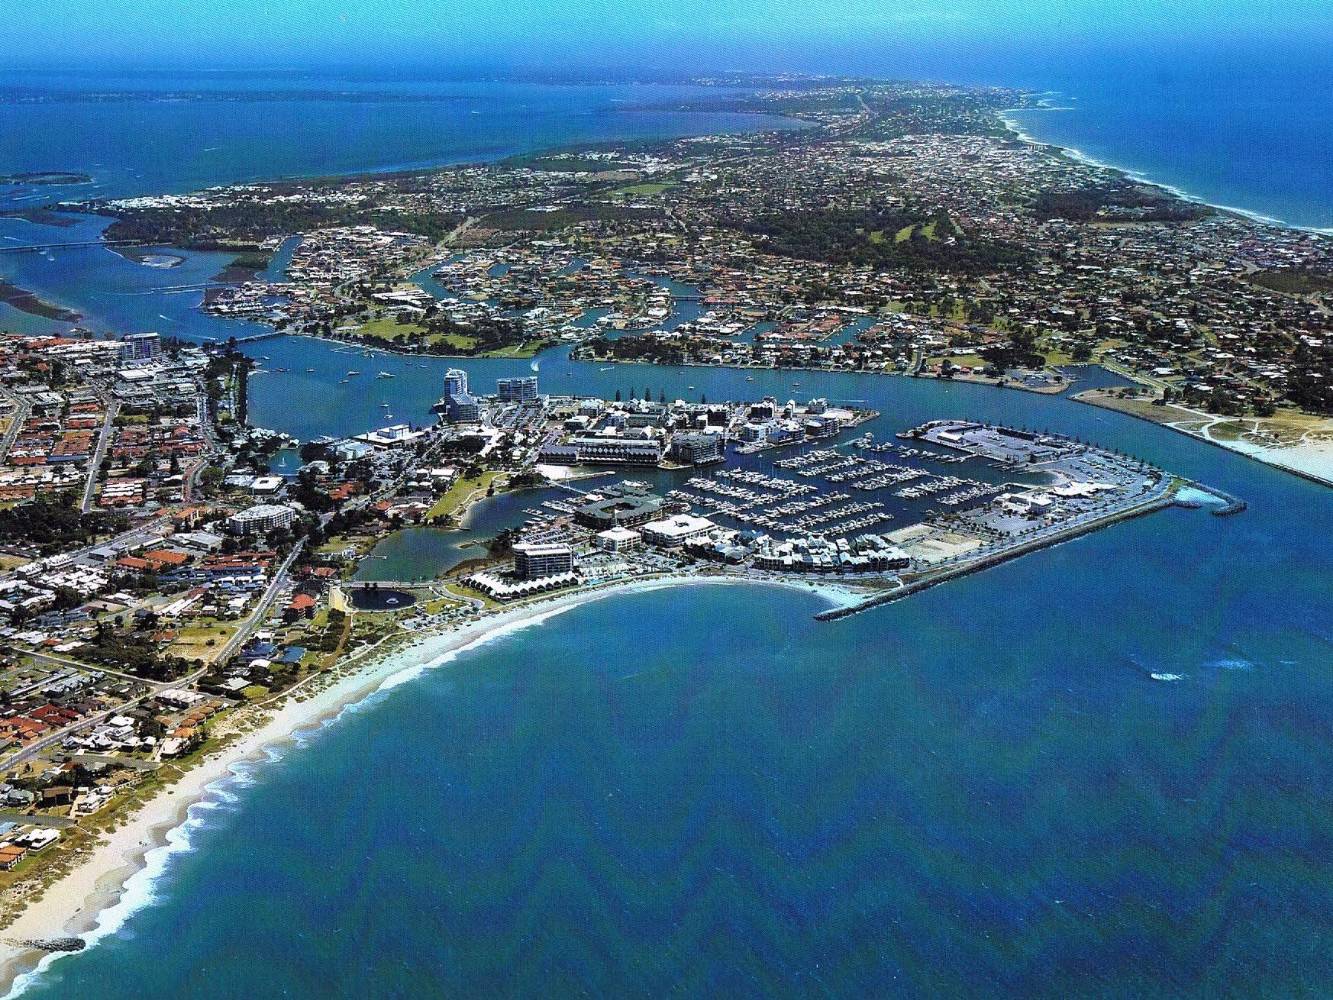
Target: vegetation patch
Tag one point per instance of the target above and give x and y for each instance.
(856, 236)
(1294, 282)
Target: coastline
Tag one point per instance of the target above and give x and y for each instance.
(1312, 463)
(90, 900)
(1140, 176)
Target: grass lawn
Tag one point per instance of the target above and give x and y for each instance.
(192, 642)
(464, 592)
(460, 493)
(457, 341)
(650, 187)
(440, 604)
(962, 360)
(527, 349)
(388, 329)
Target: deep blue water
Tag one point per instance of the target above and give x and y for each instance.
(1249, 133)
(976, 791)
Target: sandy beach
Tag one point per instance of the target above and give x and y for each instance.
(74, 904)
(1302, 445)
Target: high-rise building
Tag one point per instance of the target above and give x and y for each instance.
(532, 562)
(140, 347)
(455, 382)
(517, 390)
(460, 408)
(457, 404)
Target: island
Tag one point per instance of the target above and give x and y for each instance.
(46, 178)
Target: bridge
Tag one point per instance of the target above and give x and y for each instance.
(350, 585)
(42, 247)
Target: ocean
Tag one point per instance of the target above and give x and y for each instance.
(980, 790)
(1252, 134)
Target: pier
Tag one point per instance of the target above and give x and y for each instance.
(84, 244)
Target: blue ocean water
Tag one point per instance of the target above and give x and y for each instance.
(158, 134)
(977, 791)
(1248, 130)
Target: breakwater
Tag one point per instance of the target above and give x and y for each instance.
(995, 558)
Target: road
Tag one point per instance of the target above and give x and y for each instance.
(60, 735)
(235, 643)
(261, 609)
(103, 441)
(21, 410)
(1135, 376)
(60, 661)
(1155, 499)
(130, 539)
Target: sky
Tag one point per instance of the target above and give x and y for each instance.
(658, 35)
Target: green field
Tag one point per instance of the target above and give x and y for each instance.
(459, 493)
(647, 188)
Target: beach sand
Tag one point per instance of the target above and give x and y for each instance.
(72, 905)
(1294, 442)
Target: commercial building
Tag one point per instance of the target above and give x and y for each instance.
(502, 589)
(532, 561)
(459, 408)
(676, 531)
(140, 347)
(260, 518)
(696, 449)
(517, 390)
(457, 405)
(619, 539)
(619, 451)
(619, 507)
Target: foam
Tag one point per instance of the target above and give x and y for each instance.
(1087, 159)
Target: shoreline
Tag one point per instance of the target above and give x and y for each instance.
(1256, 453)
(1142, 177)
(85, 900)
